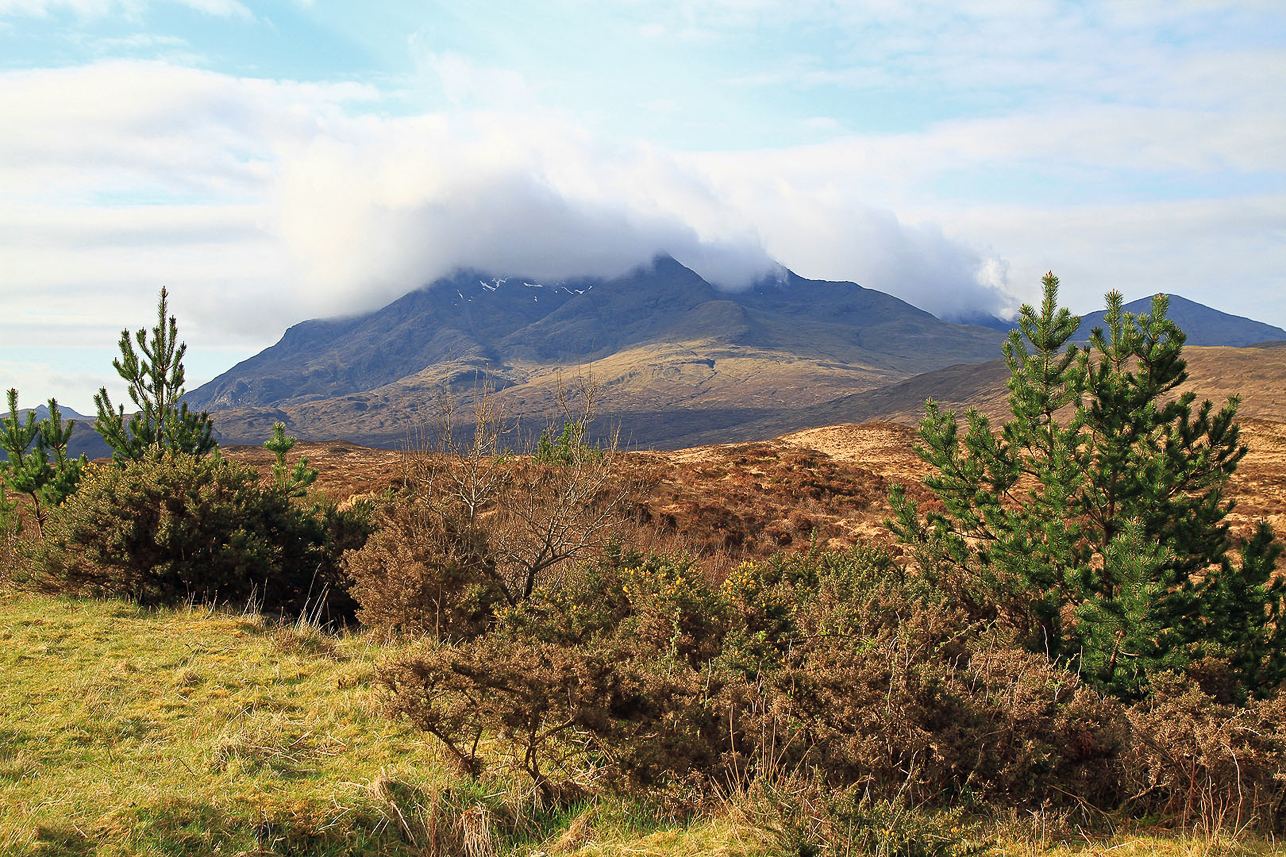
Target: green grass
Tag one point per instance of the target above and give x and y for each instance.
(170, 732)
(131, 731)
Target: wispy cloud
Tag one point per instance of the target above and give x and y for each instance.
(128, 8)
(1136, 146)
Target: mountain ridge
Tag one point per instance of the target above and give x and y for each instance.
(659, 338)
(675, 358)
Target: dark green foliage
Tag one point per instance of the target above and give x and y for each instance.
(613, 670)
(293, 481)
(29, 469)
(1250, 634)
(155, 376)
(831, 691)
(176, 527)
(1086, 523)
(568, 448)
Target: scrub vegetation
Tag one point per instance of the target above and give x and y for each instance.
(1064, 649)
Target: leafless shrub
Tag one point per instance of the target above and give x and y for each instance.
(480, 526)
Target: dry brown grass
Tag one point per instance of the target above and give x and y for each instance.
(727, 502)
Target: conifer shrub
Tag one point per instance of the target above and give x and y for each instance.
(1093, 523)
(28, 468)
(172, 527)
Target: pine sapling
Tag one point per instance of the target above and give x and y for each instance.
(294, 481)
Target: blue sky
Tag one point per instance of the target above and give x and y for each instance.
(275, 161)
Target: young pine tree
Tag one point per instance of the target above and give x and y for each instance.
(155, 377)
(1094, 523)
(293, 482)
(29, 469)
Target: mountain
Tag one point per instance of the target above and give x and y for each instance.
(83, 437)
(672, 354)
(677, 361)
(1202, 324)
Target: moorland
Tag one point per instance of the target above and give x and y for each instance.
(857, 638)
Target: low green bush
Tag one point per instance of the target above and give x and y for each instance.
(172, 527)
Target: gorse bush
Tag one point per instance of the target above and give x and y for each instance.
(1196, 759)
(171, 527)
(477, 526)
(424, 572)
(644, 673)
(838, 670)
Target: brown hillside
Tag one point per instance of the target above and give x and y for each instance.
(733, 501)
(1256, 373)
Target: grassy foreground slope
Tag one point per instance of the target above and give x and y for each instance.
(127, 731)
(131, 731)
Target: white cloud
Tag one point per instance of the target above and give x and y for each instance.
(74, 390)
(467, 83)
(1226, 253)
(262, 202)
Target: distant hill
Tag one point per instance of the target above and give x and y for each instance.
(1202, 324)
(83, 437)
(673, 354)
(1257, 374)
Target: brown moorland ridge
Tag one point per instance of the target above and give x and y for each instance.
(741, 500)
(1256, 373)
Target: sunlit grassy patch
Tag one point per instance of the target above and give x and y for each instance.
(127, 731)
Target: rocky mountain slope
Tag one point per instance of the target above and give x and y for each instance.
(673, 355)
(677, 361)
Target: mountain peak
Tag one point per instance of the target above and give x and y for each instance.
(672, 351)
(1201, 324)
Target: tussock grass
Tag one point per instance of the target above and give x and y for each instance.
(128, 731)
(194, 731)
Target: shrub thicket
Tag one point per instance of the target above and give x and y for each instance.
(172, 527)
(1200, 761)
(478, 526)
(643, 672)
